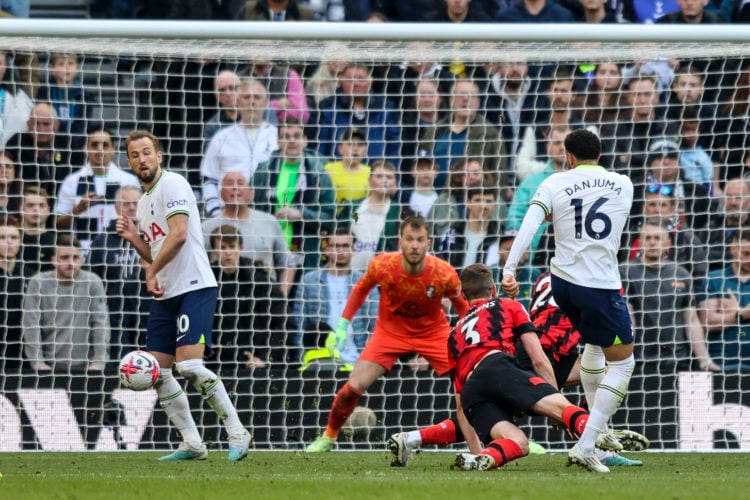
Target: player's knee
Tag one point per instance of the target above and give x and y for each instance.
(165, 375)
(624, 366)
(198, 375)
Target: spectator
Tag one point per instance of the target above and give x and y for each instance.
(723, 307)
(660, 297)
(594, 12)
(735, 215)
(10, 196)
(558, 104)
(250, 324)
(375, 219)
(688, 94)
(460, 11)
(65, 324)
(662, 69)
(325, 79)
(329, 10)
(420, 198)
(534, 11)
(38, 240)
(694, 203)
(11, 296)
(526, 190)
(86, 201)
(226, 85)
(426, 111)
(260, 231)
(696, 164)
(512, 105)
(241, 147)
(277, 10)
(354, 105)
(396, 10)
(117, 263)
(449, 205)
(644, 12)
(526, 275)
(625, 142)
(349, 175)
(43, 154)
(17, 104)
(473, 239)
(286, 92)
(691, 12)
(688, 250)
(600, 102)
(73, 103)
(223, 9)
(465, 133)
(321, 297)
(294, 187)
(733, 125)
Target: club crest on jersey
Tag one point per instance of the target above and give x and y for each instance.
(431, 291)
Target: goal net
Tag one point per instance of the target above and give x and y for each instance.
(465, 131)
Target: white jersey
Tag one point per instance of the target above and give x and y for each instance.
(190, 269)
(590, 207)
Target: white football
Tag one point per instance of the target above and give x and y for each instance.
(139, 370)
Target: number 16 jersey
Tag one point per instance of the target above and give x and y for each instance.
(590, 207)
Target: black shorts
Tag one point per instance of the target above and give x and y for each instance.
(500, 390)
(562, 369)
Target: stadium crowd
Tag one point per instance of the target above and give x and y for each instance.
(304, 173)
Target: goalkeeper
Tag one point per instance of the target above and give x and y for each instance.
(559, 340)
(410, 319)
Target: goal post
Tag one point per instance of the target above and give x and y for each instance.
(162, 76)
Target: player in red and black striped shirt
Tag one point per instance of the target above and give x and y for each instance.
(492, 386)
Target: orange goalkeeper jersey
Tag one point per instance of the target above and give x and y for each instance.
(409, 304)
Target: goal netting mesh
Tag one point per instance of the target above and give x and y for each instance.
(672, 115)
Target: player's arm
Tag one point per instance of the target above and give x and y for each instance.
(337, 338)
(176, 238)
(470, 435)
(534, 217)
(539, 361)
(460, 305)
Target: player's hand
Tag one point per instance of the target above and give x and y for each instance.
(125, 228)
(337, 338)
(510, 286)
(153, 286)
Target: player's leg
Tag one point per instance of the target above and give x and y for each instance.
(506, 442)
(602, 318)
(194, 331)
(364, 374)
(173, 400)
(403, 444)
(379, 355)
(575, 419)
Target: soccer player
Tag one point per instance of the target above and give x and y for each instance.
(410, 319)
(589, 208)
(184, 289)
(559, 341)
(490, 383)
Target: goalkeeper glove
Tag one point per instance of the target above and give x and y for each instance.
(337, 338)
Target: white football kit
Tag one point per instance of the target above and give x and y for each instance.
(190, 269)
(590, 207)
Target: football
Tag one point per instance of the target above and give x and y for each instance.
(139, 370)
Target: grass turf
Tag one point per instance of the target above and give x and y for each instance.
(356, 475)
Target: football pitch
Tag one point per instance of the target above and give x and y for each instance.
(357, 475)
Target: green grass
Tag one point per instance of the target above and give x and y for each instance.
(353, 476)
